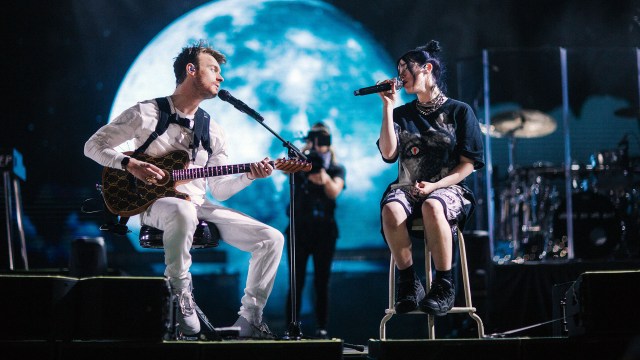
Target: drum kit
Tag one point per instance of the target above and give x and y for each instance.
(532, 207)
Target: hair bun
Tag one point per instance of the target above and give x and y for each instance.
(433, 47)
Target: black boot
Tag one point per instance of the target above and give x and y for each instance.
(440, 298)
(408, 294)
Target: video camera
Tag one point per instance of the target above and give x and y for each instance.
(321, 138)
(316, 161)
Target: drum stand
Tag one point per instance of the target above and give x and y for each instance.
(626, 202)
(524, 210)
(514, 197)
(12, 169)
(517, 226)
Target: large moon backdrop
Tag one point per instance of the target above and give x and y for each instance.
(295, 63)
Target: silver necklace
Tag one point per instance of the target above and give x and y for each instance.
(432, 105)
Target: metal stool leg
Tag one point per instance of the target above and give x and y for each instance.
(468, 308)
(467, 287)
(431, 321)
(390, 311)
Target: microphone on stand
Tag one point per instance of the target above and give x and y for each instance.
(397, 82)
(226, 96)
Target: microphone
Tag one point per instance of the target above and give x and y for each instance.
(380, 87)
(226, 96)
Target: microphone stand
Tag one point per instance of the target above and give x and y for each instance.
(294, 331)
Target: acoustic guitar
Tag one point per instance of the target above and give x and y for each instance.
(125, 195)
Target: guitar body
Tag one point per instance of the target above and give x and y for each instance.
(125, 195)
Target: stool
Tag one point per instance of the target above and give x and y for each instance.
(417, 226)
(206, 235)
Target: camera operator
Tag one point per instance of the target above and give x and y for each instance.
(316, 229)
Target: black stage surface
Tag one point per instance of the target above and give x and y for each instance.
(602, 348)
(61, 317)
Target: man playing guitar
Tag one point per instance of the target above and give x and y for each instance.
(203, 144)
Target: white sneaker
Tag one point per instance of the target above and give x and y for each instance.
(188, 322)
(250, 331)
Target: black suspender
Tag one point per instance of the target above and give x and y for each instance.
(200, 129)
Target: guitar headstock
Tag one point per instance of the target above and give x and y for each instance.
(292, 165)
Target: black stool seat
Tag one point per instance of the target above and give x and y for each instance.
(206, 235)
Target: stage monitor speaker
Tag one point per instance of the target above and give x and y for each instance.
(604, 303)
(37, 307)
(123, 308)
(93, 308)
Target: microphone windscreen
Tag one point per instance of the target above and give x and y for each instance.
(224, 95)
(399, 83)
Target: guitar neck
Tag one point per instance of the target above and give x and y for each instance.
(197, 173)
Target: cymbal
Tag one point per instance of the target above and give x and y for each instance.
(524, 123)
(629, 112)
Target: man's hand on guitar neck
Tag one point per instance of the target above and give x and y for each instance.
(145, 171)
(260, 169)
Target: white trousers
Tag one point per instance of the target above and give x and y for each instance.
(178, 219)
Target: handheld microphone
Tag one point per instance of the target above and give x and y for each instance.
(397, 82)
(226, 96)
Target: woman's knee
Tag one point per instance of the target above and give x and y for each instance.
(393, 214)
(432, 208)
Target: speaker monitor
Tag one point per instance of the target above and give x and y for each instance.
(37, 307)
(123, 308)
(40, 307)
(603, 303)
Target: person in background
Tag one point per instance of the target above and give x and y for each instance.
(437, 143)
(316, 230)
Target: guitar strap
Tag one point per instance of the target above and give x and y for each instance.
(200, 129)
(200, 137)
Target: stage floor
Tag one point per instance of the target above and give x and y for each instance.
(601, 348)
(59, 318)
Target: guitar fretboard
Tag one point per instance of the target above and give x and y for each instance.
(197, 173)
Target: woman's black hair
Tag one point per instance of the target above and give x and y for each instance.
(427, 54)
